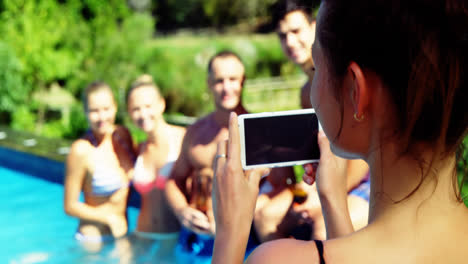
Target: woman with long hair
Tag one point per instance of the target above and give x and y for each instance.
(390, 87)
(99, 165)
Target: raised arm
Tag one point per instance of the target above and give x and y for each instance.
(331, 179)
(76, 170)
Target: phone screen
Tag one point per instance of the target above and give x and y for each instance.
(280, 139)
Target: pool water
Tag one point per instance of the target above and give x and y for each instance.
(35, 229)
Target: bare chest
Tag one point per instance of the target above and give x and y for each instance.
(203, 148)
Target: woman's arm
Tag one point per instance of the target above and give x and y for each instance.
(234, 196)
(76, 170)
(332, 189)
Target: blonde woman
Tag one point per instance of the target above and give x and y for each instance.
(390, 87)
(156, 156)
(98, 165)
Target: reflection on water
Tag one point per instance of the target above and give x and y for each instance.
(134, 249)
(34, 229)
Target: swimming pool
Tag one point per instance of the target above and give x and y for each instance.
(35, 229)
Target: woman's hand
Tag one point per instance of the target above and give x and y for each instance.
(330, 177)
(330, 173)
(234, 196)
(117, 224)
(195, 221)
(234, 191)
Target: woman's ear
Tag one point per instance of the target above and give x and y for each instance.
(360, 92)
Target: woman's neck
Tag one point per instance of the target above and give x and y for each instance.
(101, 137)
(403, 184)
(160, 132)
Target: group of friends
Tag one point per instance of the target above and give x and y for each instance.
(175, 169)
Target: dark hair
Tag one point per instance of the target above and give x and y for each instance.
(419, 49)
(223, 54)
(281, 8)
(94, 87)
(144, 80)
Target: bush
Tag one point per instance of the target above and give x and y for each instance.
(72, 43)
(13, 88)
(174, 14)
(180, 63)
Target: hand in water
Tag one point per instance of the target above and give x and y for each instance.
(195, 220)
(117, 224)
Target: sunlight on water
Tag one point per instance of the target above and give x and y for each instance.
(42, 233)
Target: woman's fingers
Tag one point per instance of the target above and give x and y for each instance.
(324, 143)
(234, 141)
(221, 155)
(310, 170)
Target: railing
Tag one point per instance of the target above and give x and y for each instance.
(55, 149)
(273, 94)
(263, 94)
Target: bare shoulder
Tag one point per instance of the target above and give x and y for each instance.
(80, 148)
(202, 122)
(179, 131)
(346, 250)
(285, 251)
(199, 126)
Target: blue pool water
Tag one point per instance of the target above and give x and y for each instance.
(35, 229)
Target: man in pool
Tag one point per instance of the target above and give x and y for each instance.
(277, 215)
(188, 189)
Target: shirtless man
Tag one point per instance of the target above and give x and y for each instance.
(188, 189)
(277, 216)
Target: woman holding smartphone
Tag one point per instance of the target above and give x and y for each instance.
(99, 164)
(157, 155)
(390, 87)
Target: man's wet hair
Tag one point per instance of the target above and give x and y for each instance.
(223, 54)
(282, 8)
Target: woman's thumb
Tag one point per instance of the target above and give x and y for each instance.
(323, 142)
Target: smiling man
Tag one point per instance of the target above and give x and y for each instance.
(295, 26)
(277, 215)
(189, 187)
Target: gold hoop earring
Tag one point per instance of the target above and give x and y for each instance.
(358, 118)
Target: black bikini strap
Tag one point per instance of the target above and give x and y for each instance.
(319, 245)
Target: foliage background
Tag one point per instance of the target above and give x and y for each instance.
(70, 43)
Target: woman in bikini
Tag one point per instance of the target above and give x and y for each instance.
(98, 165)
(157, 154)
(390, 87)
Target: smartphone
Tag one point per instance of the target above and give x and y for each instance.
(279, 139)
